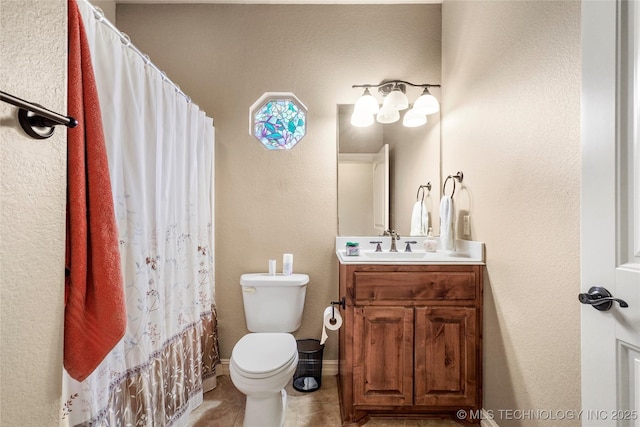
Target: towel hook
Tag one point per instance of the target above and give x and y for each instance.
(422, 187)
(457, 177)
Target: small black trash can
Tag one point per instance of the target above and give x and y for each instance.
(308, 376)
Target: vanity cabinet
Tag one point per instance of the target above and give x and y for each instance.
(411, 341)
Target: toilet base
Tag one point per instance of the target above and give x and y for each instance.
(266, 411)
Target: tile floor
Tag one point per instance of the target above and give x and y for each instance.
(224, 407)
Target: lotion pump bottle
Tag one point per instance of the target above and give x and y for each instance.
(287, 264)
(430, 244)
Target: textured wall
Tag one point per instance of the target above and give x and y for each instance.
(511, 123)
(268, 203)
(33, 66)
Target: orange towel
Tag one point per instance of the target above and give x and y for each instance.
(95, 311)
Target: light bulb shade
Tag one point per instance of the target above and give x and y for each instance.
(361, 119)
(412, 119)
(426, 104)
(367, 103)
(396, 100)
(386, 116)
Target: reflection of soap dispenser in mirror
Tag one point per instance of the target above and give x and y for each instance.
(430, 243)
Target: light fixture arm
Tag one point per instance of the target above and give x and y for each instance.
(386, 82)
(388, 85)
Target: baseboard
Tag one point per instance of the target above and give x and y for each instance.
(487, 420)
(329, 368)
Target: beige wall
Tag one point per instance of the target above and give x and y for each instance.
(511, 123)
(33, 66)
(268, 203)
(108, 7)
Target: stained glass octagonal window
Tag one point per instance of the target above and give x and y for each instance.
(278, 120)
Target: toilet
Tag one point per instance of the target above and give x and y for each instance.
(263, 361)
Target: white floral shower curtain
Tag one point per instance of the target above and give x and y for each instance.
(160, 150)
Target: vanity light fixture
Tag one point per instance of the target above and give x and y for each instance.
(394, 101)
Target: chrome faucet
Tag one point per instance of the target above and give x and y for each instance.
(394, 238)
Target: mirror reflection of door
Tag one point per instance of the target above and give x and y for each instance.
(381, 191)
(363, 193)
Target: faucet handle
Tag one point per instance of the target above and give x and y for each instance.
(409, 243)
(378, 247)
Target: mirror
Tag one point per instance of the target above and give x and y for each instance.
(366, 206)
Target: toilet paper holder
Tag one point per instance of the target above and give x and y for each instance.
(342, 303)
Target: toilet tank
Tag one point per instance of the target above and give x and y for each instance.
(273, 303)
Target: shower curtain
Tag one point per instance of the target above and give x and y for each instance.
(160, 152)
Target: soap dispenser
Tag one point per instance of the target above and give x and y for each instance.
(430, 243)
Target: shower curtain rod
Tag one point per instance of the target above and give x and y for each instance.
(126, 40)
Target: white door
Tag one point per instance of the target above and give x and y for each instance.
(381, 191)
(610, 228)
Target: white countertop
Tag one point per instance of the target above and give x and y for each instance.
(467, 252)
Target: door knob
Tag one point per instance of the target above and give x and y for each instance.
(600, 298)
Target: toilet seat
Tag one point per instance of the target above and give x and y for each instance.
(264, 354)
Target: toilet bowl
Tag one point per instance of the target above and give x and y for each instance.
(261, 365)
(263, 362)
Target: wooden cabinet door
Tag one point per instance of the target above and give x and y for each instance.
(445, 356)
(383, 356)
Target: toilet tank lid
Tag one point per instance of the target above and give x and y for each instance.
(264, 279)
